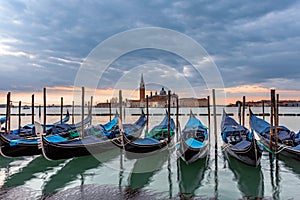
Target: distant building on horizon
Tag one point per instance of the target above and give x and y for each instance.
(193, 102)
(160, 100)
(267, 103)
(154, 101)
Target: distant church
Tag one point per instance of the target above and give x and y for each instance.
(154, 101)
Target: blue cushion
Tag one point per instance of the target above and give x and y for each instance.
(194, 143)
(55, 138)
(147, 141)
(24, 141)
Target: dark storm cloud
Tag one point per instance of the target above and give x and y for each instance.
(42, 43)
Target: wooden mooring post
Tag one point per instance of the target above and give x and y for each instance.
(177, 119)
(120, 105)
(91, 110)
(276, 121)
(120, 120)
(82, 112)
(240, 112)
(277, 108)
(40, 112)
(215, 119)
(263, 109)
(147, 113)
(272, 117)
(45, 112)
(243, 111)
(32, 109)
(208, 118)
(169, 116)
(7, 120)
(109, 110)
(216, 141)
(19, 121)
(72, 112)
(61, 108)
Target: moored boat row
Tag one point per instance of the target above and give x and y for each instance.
(63, 141)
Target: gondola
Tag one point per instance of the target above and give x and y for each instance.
(288, 141)
(193, 141)
(57, 147)
(154, 141)
(239, 142)
(15, 144)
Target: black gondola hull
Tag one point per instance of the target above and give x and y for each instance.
(250, 156)
(65, 150)
(118, 142)
(134, 150)
(56, 151)
(26, 149)
(7, 150)
(190, 155)
(284, 150)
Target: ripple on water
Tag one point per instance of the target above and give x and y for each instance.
(91, 192)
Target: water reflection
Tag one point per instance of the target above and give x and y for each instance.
(144, 169)
(170, 177)
(4, 169)
(36, 168)
(190, 176)
(250, 179)
(274, 175)
(291, 164)
(216, 173)
(74, 170)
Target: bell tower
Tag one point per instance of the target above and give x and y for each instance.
(142, 89)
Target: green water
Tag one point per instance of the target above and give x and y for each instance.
(112, 176)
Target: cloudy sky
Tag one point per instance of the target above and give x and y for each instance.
(255, 44)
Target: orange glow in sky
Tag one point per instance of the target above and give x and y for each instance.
(54, 94)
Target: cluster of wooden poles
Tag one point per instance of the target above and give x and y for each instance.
(274, 120)
(9, 104)
(274, 116)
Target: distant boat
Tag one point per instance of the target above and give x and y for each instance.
(26, 107)
(288, 141)
(239, 142)
(194, 141)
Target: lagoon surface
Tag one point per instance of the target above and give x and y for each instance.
(112, 176)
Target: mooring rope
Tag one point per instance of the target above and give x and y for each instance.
(281, 149)
(265, 147)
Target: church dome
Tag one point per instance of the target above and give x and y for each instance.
(163, 92)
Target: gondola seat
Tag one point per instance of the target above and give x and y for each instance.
(241, 145)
